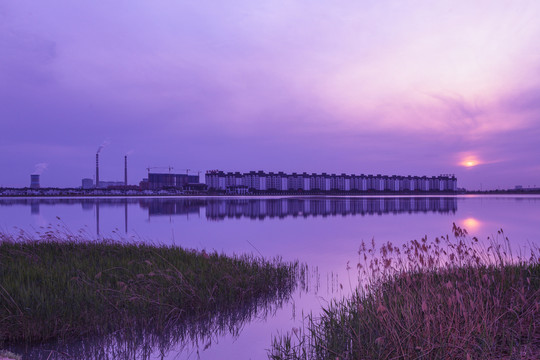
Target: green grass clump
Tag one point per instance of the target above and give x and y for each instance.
(448, 299)
(59, 286)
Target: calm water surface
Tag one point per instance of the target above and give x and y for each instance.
(322, 232)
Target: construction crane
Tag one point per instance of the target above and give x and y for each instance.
(186, 170)
(197, 171)
(159, 167)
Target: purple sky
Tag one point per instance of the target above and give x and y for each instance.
(389, 87)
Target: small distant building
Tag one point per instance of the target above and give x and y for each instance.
(144, 185)
(195, 187)
(87, 183)
(34, 181)
(237, 190)
(107, 184)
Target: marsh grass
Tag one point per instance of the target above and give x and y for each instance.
(194, 334)
(9, 355)
(60, 285)
(450, 298)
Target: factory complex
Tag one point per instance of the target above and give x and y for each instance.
(260, 181)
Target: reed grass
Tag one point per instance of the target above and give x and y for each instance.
(450, 298)
(60, 285)
(9, 355)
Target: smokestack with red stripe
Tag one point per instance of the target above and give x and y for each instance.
(125, 170)
(97, 169)
(105, 143)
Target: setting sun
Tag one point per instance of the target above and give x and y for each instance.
(470, 161)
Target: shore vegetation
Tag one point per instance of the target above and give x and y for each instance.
(450, 298)
(61, 285)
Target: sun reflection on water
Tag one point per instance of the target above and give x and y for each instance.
(471, 224)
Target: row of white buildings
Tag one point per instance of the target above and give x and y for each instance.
(236, 182)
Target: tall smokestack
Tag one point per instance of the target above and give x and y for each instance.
(97, 169)
(125, 170)
(103, 144)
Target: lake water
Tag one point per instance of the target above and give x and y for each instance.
(322, 232)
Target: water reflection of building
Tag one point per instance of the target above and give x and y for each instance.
(171, 206)
(255, 208)
(217, 209)
(87, 205)
(34, 207)
(221, 208)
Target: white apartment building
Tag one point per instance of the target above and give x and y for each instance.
(260, 181)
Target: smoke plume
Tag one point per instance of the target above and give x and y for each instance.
(103, 144)
(40, 168)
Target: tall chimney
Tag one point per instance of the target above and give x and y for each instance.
(125, 170)
(97, 170)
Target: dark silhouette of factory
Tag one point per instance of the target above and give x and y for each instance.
(157, 181)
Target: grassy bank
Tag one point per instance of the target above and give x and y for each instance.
(59, 285)
(446, 299)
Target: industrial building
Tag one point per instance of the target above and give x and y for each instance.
(257, 181)
(168, 181)
(109, 184)
(34, 181)
(87, 183)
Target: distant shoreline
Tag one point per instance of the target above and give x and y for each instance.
(76, 192)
